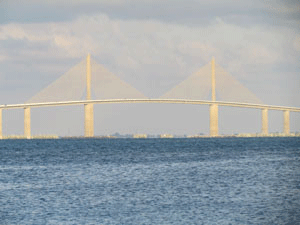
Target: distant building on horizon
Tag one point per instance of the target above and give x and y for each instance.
(140, 136)
(166, 136)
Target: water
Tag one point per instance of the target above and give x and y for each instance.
(150, 181)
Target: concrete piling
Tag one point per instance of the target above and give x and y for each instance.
(286, 122)
(1, 135)
(264, 122)
(27, 131)
(89, 120)
(213, 120)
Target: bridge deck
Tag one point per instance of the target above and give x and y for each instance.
(168, 101)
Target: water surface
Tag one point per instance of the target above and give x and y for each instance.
(150, 181)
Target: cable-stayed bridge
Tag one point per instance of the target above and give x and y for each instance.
(89, 83)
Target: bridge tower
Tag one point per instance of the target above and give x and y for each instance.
(213, 108)
(89, 107)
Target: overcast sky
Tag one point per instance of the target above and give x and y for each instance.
(153, 45)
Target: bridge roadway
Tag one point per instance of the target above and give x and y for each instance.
(170, 101)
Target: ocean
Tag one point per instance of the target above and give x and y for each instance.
(150, 181)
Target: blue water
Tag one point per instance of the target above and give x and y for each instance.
(150, 181)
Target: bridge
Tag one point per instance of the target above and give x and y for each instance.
(110, 87)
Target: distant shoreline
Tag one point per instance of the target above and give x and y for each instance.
(45, 137)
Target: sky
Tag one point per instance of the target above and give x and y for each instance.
(153, 45)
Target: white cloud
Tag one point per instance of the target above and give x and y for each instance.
(22, 32)
(126, 2)
(3, 58)
(132, 44)
(283, 8)
(296, 43)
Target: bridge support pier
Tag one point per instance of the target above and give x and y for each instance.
(27, 129)
(88, 120)
(286, 122)
(213, 120)
(1, 124)
(264, 122)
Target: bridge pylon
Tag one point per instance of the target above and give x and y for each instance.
(264, 122)
(286, 122)
(27, 128)
(89, 120)
(1, 124)
(213, 108)
(88, 108)
(213, 120)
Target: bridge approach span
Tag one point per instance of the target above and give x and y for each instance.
(167, 101)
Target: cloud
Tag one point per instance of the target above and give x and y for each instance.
(3, 58)
(147, 52)
(123, 2)
(132, 43)
(187, 12)
(22, 32)
(296, 43)
(284, 7)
